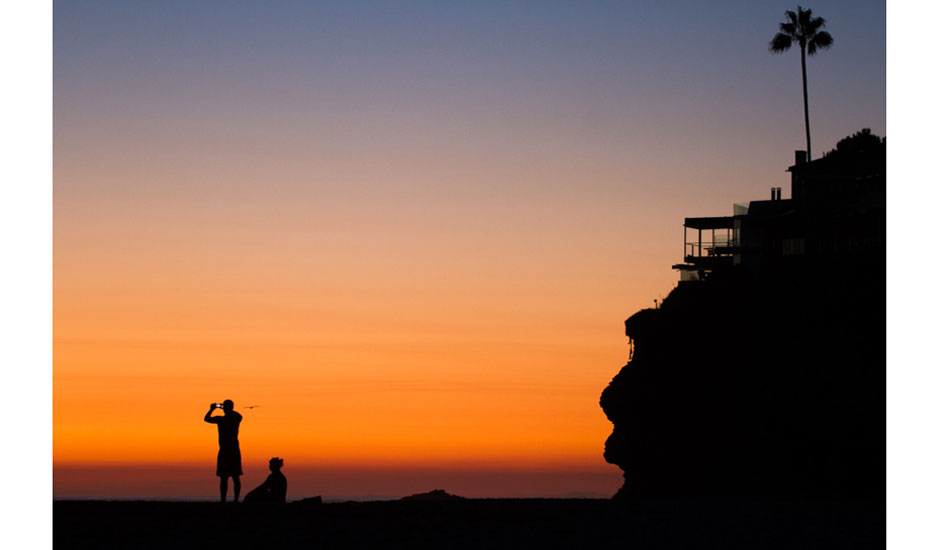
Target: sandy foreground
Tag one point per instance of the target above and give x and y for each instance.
(473, 523)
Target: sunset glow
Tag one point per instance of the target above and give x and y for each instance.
(409, 236)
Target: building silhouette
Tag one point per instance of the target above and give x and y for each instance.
(836, 209)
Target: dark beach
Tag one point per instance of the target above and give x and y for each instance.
(468, 523)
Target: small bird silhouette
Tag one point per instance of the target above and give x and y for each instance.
(252, 406)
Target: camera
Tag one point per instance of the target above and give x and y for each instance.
(219, 405)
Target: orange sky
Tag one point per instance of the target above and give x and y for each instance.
(403, 350)
(414, 316)
(476, 338)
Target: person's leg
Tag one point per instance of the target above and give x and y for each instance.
(224, 488)
(255, 495)
(237, 487)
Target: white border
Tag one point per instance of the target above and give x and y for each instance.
(26, 225)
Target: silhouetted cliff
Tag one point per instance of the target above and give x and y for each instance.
(765, 384)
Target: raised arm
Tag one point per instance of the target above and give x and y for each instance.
(208, 417)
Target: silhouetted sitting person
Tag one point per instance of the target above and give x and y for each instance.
(274, 488)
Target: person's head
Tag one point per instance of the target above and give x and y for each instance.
(228, 405)
(276, 464)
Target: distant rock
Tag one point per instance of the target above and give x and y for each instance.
(311, 500)
(437, 494)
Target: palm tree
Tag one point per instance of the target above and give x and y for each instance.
(802, 28)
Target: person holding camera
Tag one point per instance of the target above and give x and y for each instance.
(229, 452)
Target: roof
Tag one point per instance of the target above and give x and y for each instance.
(761, 209)
(852, 164)
(715, 222)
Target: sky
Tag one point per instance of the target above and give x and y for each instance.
(410, 234)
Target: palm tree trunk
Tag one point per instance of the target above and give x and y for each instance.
(805, 93)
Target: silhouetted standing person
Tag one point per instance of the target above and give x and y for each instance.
(274, 488)
(229, 453)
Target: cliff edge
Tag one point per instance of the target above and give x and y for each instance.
(765, 384)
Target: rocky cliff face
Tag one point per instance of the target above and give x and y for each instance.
(766, 388)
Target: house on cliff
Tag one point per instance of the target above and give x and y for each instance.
(762, 374)
(836, 209)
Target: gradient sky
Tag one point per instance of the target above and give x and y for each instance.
(410, 232)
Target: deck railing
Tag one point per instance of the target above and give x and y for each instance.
(717, 247)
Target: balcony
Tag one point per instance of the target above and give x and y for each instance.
(708, 243)
(721, 242)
